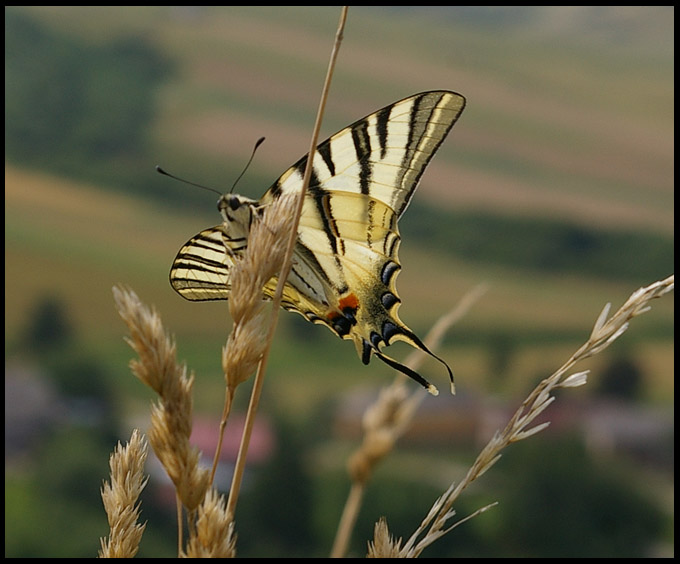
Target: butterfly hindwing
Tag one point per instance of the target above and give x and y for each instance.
(201, 268)
(346, 259)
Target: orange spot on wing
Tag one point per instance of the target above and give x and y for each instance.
(350, 301)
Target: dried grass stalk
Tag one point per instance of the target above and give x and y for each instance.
(277, 295)
(250, 275)
(171, 416)
(120, 499)
(606, 331)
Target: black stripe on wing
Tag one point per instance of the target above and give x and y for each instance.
(200, 272)
(362, 146)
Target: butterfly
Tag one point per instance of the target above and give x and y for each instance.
(345, 262)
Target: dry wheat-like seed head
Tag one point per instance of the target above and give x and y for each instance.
(249, 275)
(171, 416)
(383, 544)
(120, 499)
(213, 534)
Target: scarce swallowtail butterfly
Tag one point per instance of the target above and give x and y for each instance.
(345, 262)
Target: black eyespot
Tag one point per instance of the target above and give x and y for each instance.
(342, 325)
(349, 314)
(389, 299)
(389, 330)
(388, 271)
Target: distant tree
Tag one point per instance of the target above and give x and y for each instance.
(502, 350)
(68, 102)
(279, 502)
(622, 379)
(560, 503)
(81, 378)
(48, 326)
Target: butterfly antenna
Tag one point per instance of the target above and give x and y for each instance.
(250, 160)
(161, 171)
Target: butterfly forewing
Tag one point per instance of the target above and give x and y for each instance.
(345, 262)
(382, 155)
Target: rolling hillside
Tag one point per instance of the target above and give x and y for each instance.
(574, 126)
(555, 190)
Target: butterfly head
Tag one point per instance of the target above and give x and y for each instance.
(236, 209)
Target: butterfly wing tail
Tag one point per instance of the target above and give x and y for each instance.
(366, 349)
(408, 372)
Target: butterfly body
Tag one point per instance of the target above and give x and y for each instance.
(345, 263)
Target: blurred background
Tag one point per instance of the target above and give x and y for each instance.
(555, 188)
